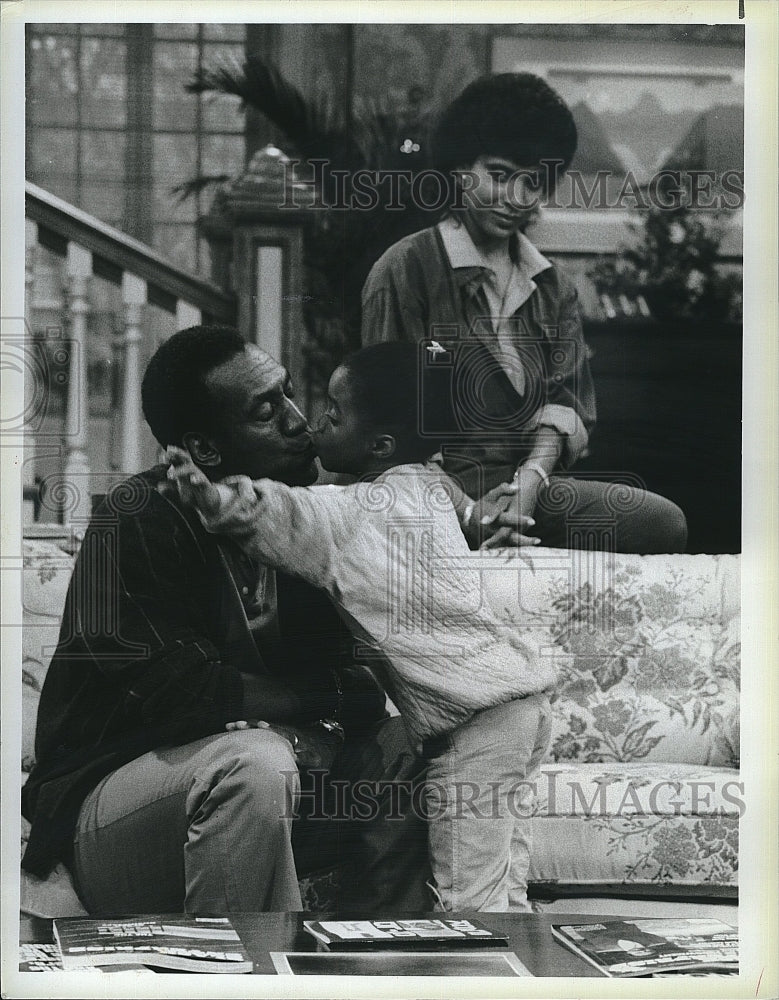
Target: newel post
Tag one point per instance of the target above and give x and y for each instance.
(255, 233)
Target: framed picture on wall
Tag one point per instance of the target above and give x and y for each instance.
(641, 107)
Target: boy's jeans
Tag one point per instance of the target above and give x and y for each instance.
(479, 797)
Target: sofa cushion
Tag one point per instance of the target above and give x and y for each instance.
(47, 568)
(636, 825)
(647, 648)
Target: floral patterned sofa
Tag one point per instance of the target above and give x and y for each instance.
(640, 794)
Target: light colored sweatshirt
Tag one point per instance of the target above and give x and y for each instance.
(392, 556)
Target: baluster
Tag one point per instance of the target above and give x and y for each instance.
(187, 315)
(133, 297)
(79, 269)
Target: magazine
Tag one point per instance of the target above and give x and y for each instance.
(48, 958)
(654, 946)
(189, 944)
(428, 934)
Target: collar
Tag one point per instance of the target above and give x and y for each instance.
(463, 252)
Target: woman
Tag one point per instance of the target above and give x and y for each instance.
(500, 324)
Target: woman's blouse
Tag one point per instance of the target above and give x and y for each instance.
(509, 360)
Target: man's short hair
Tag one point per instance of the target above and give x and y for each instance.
(517, 116)
(174, 394)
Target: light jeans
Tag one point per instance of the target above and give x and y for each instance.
(479, 797)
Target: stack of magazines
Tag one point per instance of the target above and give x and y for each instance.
(189, 944)
(654, 946)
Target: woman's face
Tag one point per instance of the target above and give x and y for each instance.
(499, 196)
(341, 439)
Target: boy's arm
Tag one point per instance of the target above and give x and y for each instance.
(294, 529)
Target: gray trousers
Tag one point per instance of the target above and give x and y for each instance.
(208, 828)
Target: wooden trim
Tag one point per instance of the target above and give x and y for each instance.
(69, 223)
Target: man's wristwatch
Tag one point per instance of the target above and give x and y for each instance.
(331, 726)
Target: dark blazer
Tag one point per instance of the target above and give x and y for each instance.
(153, 639)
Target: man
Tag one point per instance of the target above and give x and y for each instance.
(195, 699)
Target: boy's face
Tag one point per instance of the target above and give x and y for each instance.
(341, 438)
(499, 196)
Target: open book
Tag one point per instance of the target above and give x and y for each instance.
(189, 944)
(654, 946)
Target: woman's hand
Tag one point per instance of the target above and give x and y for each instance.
(508, 529)
(487, 515)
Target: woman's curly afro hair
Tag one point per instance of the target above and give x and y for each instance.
(513, 115)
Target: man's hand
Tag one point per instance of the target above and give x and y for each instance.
(314, 748)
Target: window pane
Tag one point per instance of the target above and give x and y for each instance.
(204, 263)
(222, 113)
(224, 32)
(169, 208)
(104, 28)
(52, 80)
(55, 28)
(103, 155)
(103, 82)
(175, 161)
(222, 154)
(181, 30)
(174, 66)
(51, 160)
(177, 243)
(105, 199)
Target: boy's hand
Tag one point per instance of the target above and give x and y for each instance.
(226, 507)
(195, 489)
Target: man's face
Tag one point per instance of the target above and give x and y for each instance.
(260, 431)
(343, 442)
(499, 196)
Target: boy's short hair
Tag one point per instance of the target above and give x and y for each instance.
(514, 115)
(386, 388)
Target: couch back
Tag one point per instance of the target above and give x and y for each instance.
(647, 648)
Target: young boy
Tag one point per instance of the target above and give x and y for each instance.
(390, 552)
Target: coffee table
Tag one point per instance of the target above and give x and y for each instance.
(530, 937)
